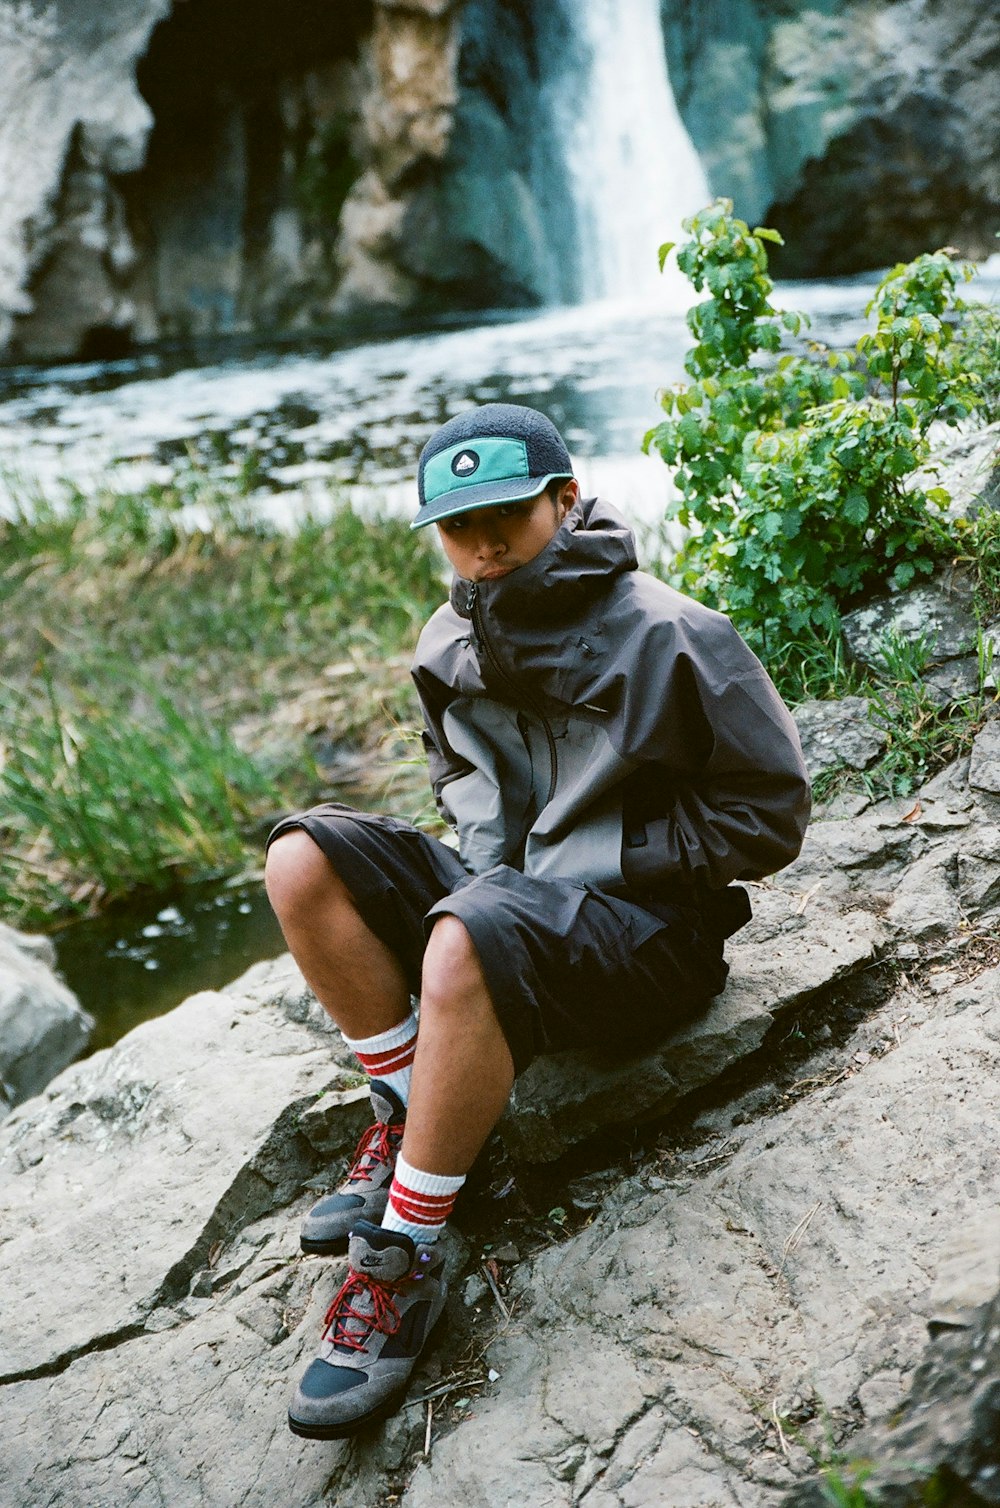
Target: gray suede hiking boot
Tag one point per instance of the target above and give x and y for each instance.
(373, 1333)
(364, 1193)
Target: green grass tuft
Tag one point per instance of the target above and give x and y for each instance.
(141, 629)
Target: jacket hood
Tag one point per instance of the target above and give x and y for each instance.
(591, 547)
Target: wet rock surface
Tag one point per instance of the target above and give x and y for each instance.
(170, 176)
(42, 1026)
(703, 1317)
(823, 150)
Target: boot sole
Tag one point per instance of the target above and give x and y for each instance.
(323, 1248)
(353, 1427)
(380, 1412)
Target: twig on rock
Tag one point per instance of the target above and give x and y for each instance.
(797, 1234)
(427, 1431)
(781, 1433)
(807, 897)
(491, 1280)
(455, 1386)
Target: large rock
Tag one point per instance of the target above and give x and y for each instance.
(838, 733)
(73, 119)
(787, 954)
(938, 616)
(42, 1025)
(771, 1277)
(865, 132)
(760, 1280)
(151, 1156)
(162, 182)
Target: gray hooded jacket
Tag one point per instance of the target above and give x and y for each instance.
(585, 721)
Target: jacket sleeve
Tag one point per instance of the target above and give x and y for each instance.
(443, 764)
(733, 793)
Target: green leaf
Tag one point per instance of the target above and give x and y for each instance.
(665, 251)
(856, 509)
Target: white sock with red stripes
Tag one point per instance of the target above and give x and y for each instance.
(420, 1203)
(388, 1057)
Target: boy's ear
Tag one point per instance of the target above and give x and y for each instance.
(567, 495)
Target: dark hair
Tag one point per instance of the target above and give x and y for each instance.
(556, 485)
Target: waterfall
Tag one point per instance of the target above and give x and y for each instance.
(627, 158)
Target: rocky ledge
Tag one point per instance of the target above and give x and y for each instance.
(42, 1026)
(699, 1320)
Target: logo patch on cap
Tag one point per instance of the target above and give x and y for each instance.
(465, 463)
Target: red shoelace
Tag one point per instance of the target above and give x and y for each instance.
(383, 1316)
(375, 1148)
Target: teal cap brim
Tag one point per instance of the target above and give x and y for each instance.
(485, 495)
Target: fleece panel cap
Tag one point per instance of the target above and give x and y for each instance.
(499, 453)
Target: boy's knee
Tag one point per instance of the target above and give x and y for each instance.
(451, 970)
(297, 874)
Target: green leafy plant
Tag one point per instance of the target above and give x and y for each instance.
(976, 351)
(794, 469)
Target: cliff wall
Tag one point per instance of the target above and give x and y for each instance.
(173, 171)
(865, 131)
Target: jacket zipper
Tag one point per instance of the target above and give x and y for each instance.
(519, 692)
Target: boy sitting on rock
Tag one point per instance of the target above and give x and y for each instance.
(612, 756)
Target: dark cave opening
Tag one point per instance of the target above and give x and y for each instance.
(234, 213)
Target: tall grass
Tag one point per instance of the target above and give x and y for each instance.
(138, 629)
(96, 804)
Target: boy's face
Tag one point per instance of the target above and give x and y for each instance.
(487, 543)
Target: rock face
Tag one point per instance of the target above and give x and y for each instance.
(172, 174)
(177, 170)
(864, 132)
(759, 1280)
(944, 1437)
(180, 170)
(42, 1027)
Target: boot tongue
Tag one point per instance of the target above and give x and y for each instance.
(385, 1256)
(382, 1256)
(387, 1107)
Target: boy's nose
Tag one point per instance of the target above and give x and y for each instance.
(489, 540)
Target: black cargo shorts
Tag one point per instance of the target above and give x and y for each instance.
(567, 965)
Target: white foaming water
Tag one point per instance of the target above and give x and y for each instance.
(635, 174)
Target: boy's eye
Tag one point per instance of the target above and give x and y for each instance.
(510, 510)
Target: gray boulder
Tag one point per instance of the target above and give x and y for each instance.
(153, 1156)
(780, 962)
(940, 615)
(42, 1025)
(865, 132)
(758, 1283)
(708, 1325)
(838, 733)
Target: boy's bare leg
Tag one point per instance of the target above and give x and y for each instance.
(353, 975)
(463, 1070)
